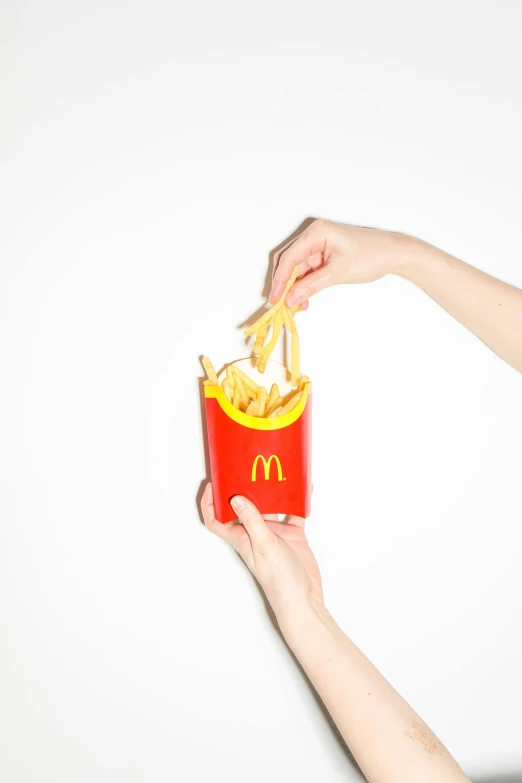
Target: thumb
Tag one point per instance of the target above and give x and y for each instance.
(259, 533)
(309, 285)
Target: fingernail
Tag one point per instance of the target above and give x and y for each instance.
(238, 503)
(292, 300)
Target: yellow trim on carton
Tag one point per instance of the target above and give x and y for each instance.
(254, 422)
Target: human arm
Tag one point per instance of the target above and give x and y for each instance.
(389, 741)
(488, 307)
(332, 253)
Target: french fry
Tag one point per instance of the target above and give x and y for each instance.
(294, 351)
(261, 402)
(277, 315)
(276, 413)
(288, 286)
(278, 403)
(230, 378)
(265, 320)
(209, 369)
(248, 382)
(228, 391)
(236, 400)
(242, 391)
(304, 380)
(269, 347)
(251, 408)
(260, 340)
(291, 394)
(272, 397)
(252, 395)
(294, 358)
(270, 315)
(290, 405)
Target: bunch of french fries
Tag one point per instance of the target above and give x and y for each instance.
(244, 393)
(278, 315)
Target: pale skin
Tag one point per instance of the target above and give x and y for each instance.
(388, 739)
(329, 254)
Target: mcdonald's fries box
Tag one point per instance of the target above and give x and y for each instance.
(266, 460)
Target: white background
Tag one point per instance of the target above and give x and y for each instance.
(151, 156)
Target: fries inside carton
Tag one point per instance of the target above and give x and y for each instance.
(268, 460)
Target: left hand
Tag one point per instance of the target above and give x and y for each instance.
(277, 554)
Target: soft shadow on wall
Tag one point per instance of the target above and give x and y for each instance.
(512, 777)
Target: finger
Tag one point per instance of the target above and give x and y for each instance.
(280, 252)
(256, 527)
(309, 243)
(309, 285)
(297, 521)
(315, 261)
(207, 504)
(279, 282)
(228, 531)
(271, 517)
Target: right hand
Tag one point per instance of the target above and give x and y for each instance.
(329, 253)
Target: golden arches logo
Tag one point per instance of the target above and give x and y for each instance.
(266, 465)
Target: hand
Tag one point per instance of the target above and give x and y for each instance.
(277, 554)
(329, 253)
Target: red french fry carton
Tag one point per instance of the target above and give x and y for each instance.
(267, 461)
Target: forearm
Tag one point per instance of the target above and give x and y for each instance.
(490, 308)
(389, 741)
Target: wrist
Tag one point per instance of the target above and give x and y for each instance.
(304, 622)
(407, 255)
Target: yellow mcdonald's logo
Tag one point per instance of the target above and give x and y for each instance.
(266, 466)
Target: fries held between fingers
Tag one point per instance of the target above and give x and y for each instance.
(244, 393)
(275, 317)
